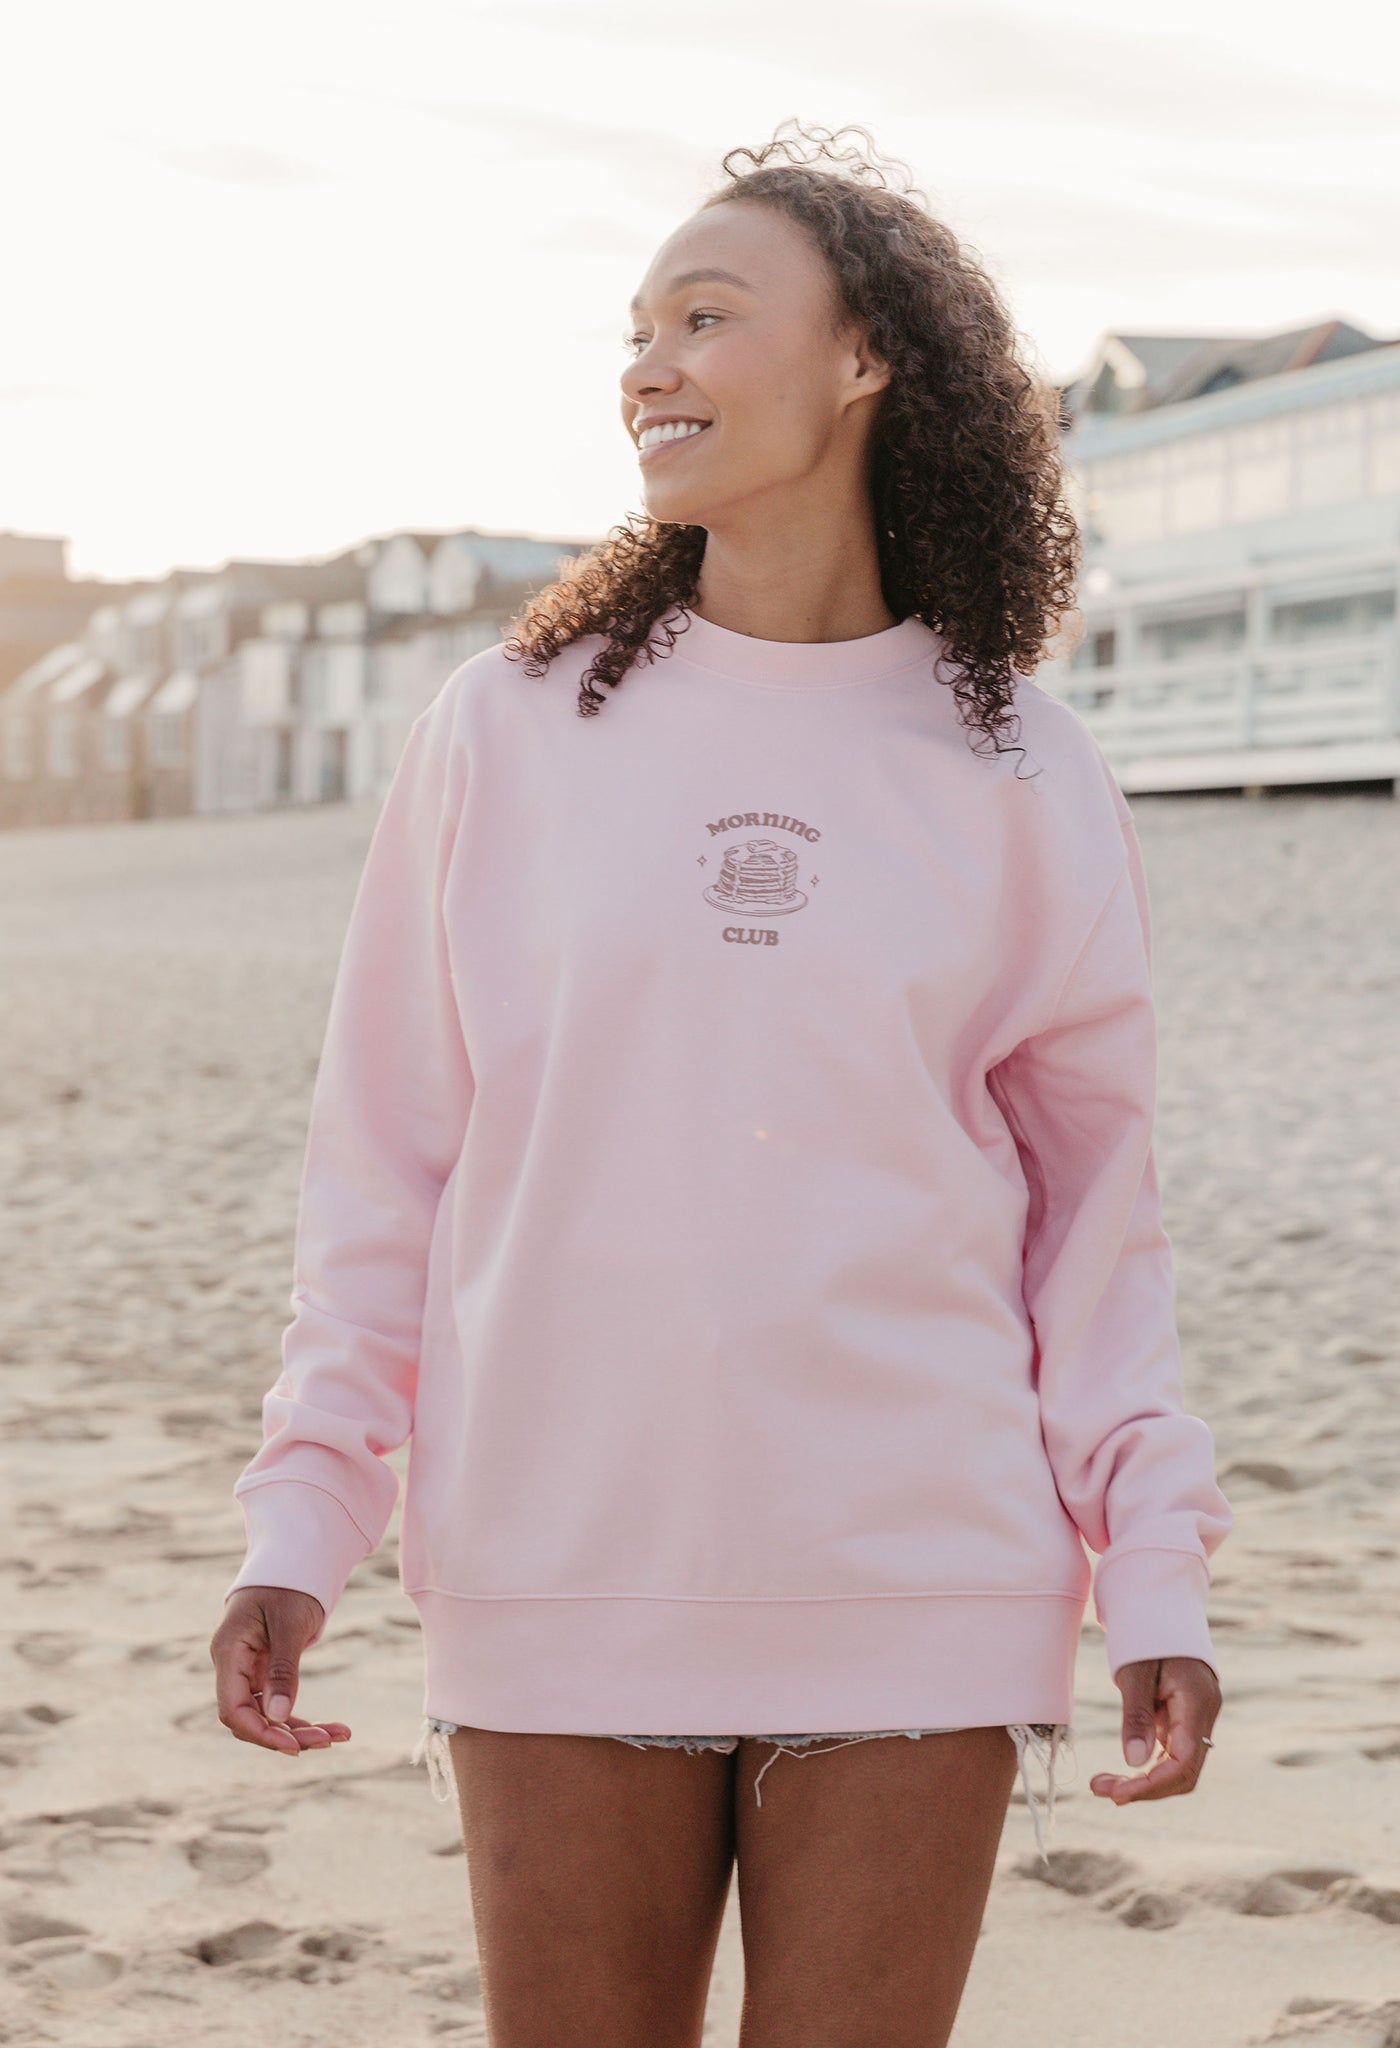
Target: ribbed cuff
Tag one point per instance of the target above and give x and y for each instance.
(1152, 1603)
(301, 1537)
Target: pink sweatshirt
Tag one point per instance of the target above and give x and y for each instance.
(731, 1163)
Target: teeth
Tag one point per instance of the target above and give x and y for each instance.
(672, 430)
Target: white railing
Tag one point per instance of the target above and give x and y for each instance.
(1282, 697)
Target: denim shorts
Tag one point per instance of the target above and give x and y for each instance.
(1046, 1739)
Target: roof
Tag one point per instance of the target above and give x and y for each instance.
(177, 692)
(42, 672)
(78, 679)
(1134, 373)
(1345, 378)
(1222, 363)
(125, 695)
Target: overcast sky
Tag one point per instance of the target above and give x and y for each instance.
(279, 276)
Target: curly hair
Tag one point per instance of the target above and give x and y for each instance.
(973, 531)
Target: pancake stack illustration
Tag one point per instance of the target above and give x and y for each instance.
(758, 879)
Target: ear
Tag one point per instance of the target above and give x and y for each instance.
(870, 373)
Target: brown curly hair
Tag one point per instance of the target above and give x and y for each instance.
(974, 535)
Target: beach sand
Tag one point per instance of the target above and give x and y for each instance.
(165, 990)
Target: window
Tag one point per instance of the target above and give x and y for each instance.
(1331, 455)
(1333, 618)
(167, 739)
(1178, 639)
(63, 743)
(282, 763)
(335, 755)
(116, 742)
(19, 745)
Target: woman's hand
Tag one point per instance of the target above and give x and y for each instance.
(1173, 1700)
(257, 1654)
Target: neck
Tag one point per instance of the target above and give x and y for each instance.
(795, 581)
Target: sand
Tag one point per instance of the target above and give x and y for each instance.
(165, 989)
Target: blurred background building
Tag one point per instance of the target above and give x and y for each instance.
(257, 684)
(1239, 501)
(1238, 498)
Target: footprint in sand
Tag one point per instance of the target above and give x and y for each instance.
(1272, 1894)
(457, 1980)
(1081, 1872)
(244, 1943)
(1381, 1902)
(49, 1647)
(227, 1858)
(324, 1956)
(115, 1525)
(54, 1952)
(1265, 1472)
(1110, 1881)
(65, 1963)
(457, 1987)
(1280, 1892)
(53, 1426)
(194, 1424)
(268, 1953)
(25, 1923)
(115, 1813)
(57, 1576)
(163, 1652)
(1339, 2023)
(38, 1719)
(1154, 1910)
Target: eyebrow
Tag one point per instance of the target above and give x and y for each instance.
(709, 275)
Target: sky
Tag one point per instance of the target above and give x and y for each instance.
(277, 277)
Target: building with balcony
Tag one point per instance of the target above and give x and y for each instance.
(1240, 509)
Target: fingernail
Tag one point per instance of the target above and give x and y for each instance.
(1135, 1750)
(278, 1707)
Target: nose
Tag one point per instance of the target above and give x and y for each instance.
(645, 375)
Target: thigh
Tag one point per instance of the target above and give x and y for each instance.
(599, 1874)
(863, 1878)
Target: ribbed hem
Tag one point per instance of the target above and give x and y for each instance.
(301, 1537)
(660, 1666)
(1152, 1603)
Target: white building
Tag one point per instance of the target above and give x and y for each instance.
(435, 599)
(257, 684)
(1240, 509)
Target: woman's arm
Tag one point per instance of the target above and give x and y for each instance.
(1135, 1471)
(388, 1113)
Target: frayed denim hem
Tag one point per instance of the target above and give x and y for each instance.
(1044, 1739)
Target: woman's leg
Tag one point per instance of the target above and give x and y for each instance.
(599, 1874)
(863, 1878)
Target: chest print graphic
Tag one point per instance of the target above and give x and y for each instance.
(758, 876)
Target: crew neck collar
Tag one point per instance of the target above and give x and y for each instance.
(800, 664)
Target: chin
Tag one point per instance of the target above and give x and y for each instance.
(676, 508)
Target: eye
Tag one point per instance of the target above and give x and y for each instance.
(635, 341)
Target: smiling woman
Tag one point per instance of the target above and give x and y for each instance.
(731, 1163)
(807, 330)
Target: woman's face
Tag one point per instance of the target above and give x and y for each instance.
(748, 350)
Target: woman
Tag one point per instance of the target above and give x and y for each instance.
(731, 1163)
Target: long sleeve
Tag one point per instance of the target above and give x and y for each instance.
(1134, 1470)
(387, 1118)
